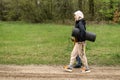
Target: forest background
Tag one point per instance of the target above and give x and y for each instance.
(59, 11)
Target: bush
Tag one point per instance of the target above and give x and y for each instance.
(116, 17)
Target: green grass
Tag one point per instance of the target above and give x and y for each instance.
(106, 49)
(24, 43)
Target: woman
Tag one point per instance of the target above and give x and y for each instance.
(79, 47)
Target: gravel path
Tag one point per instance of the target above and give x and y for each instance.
(45, 72)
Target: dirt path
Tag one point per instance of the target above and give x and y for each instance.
(43, 72)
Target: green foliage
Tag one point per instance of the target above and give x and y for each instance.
(29, 11)
(37, 11)
(108, 8)
(63, 8)
(3, 11)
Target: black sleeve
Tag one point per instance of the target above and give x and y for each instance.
(82, 30)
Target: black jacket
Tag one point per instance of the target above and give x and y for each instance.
(80, 24)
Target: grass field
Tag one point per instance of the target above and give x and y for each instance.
(24, 43)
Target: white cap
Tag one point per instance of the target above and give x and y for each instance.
(80, 14)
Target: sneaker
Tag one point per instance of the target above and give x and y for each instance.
(87, 70)
(77, 66)
(84, 70)
(67, 68)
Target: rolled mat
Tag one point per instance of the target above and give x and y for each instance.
(90, 36)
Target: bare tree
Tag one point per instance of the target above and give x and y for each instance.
(91, 8)
(80, 4)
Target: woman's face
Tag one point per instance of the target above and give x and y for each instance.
(76, 17)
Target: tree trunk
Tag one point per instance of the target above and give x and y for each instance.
(80, 4)
(1, 10)
(91, 9)
(111, 4)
